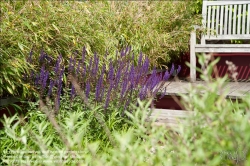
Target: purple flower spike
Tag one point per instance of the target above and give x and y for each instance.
(42, 72)
(132, 73)
(108, 95)
(44, 80)
(32, 75)
(59, 90)
(87, 89)
(143, 93)
(166, 76)
(124, 88)
(48, 58)
(111, 71)
(78, 68)
(37, 79)
(145, 65)
(128, 49)
(51, 84)
(123, 53)
(57, 66)
(99, 87)
(95, 65)
(42, 56)
(172, 69)
(179, 69)
(83, 70)
(73, 92)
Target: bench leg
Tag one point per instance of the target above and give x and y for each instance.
(192, 57)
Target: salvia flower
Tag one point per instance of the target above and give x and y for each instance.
(42, 73)
(44, 79)
(108, 94)
(51, 85)
(118, 76)
(123, 53)
(132, 74)
(42, 56)
(83, 70)
(73, 92)
(95, 64)
(57, 65)
(87, 89)
(143, 93)
(37, 79)
(59, 85)
(48, 58)
(128, 49)
(99, 87)
(78, 68)
(166, 76)
(111, 71)
(178, 69)
(172, 69)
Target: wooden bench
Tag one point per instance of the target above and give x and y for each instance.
(222, 20)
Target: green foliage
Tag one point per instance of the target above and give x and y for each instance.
(158, 29)
(217, 133)
(11, 74)
(197, 7)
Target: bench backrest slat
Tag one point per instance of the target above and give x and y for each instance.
(226, 20)
(248, 19)
(230, 18)
(234, 20)
(221, 19)
(244, 19)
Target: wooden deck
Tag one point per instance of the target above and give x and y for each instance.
(171, 118)
(234, 89)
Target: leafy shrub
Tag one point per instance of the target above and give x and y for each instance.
(216, 134)
(158, 29)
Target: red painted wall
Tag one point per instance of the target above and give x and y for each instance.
(242, 61)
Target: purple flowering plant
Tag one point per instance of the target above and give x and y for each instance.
(116, 84)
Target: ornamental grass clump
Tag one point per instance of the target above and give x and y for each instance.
(120, 81)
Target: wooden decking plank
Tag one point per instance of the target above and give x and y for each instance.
(239, 91)
(230, 87)
(173, 85)
(235, 89)
(247, 89)
(172, 118)
(170, 113)
(169, 117)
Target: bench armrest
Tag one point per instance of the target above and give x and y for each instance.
(197, 27)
